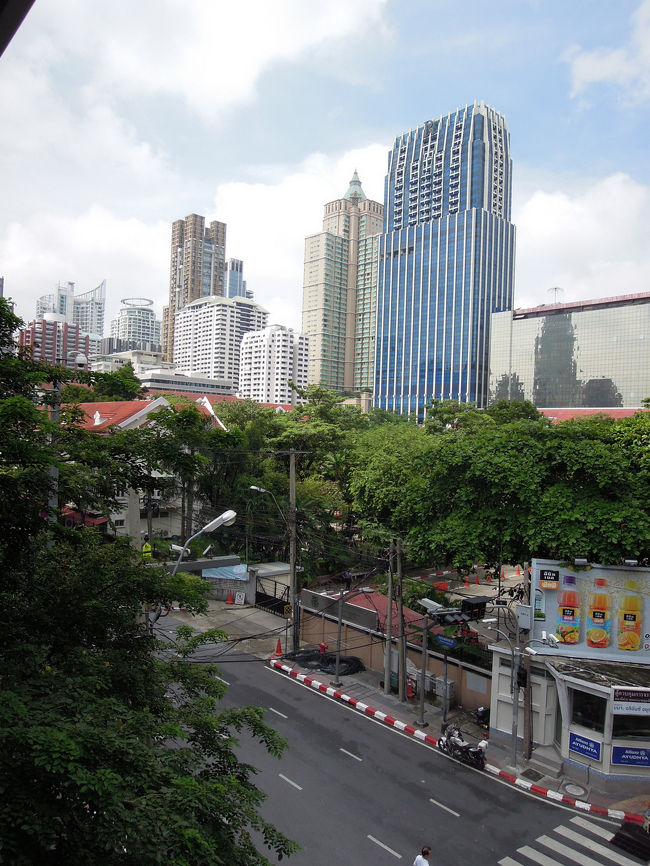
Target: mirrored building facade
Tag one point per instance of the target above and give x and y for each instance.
(592, 354)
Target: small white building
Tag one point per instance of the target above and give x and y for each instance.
(269, 359)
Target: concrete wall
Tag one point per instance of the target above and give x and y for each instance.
(472, 684)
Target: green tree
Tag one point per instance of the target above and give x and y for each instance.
(112, 748)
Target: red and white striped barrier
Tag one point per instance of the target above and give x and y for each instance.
(417, 734)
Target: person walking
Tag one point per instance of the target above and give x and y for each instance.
(423, 858)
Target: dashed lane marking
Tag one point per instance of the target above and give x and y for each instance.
(442, 806)
(385, 847)
(290, 782)
(278, 713)
(356, 757)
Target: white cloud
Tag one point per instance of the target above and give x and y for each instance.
(591, 244)
(211, 55)
(627, 66)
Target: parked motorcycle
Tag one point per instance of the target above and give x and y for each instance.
(452, 743)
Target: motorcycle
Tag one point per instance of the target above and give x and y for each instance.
(451, 742)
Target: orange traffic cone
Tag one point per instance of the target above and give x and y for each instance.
(503, 573)
(230, 599)
(466, 580)
(278, 650)
(518, 572)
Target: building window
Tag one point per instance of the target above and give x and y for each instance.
(631, 727)
(588, 710)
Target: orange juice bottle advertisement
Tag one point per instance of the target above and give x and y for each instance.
(629, 618)
(599, 618)
(569, 604)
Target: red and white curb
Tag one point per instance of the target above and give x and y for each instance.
(417, 734)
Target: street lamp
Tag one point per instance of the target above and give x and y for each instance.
(290, 524)
(343, 595)
(225, 519)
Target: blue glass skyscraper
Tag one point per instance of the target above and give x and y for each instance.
(446, 260)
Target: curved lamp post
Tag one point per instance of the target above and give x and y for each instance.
(225, 519)
(290, 524)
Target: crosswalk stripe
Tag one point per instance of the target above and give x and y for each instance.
(508, 861)
(594, 828)
(559, 848)
(537, 856)
(621, 859)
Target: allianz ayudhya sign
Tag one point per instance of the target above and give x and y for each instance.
(597, 612)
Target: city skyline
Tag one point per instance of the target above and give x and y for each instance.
(110, 133)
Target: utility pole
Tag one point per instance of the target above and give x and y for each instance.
(389, 624)
(528, 694)
(400, 612)
(292, 551)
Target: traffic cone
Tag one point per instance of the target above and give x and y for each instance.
(466, 580)
(278, 650)
(503, 573)
(518, 572)
(489, 577)
(230, 599)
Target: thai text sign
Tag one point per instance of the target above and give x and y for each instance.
(631, 701)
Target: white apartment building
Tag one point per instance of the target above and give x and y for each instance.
(208, 333)
(269, 359)
(85, 310)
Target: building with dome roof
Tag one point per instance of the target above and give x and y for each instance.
(338, 304)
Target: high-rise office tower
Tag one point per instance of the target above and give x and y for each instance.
(235, 282)
(338, 291)
(446, 260)
(209, 332)
(197, 269)
(269, 360)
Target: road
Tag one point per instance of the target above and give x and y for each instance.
(350, 790)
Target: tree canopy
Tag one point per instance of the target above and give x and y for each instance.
(113, 746)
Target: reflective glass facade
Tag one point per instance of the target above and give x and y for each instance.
(588, 354)
(446, 260)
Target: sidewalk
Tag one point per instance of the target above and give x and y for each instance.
(257, 633)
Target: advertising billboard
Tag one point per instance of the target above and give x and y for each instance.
(597, 612)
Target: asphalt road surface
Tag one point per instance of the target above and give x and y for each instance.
(350, 790)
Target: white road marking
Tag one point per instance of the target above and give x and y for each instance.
(537, 856)
(278, 713)
(559, 848)
(356, 757)
(442, 806)
(290, 782)
(221, 679)
(508, 861)
(385, 847)
(593, 828)
(595, 846)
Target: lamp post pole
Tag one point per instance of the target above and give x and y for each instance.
(290, 524)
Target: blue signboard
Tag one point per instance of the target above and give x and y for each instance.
(630, 756)
(445, 641)
(584, 746)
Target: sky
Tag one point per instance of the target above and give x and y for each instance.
(118, 118)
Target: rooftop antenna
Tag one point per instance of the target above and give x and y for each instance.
(556, 291)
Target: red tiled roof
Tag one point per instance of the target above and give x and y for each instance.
(568, 414)
(110, 413)
(379, 602)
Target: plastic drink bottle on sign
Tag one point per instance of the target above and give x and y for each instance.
(568, 611)
(599, 620)
(629, 618)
